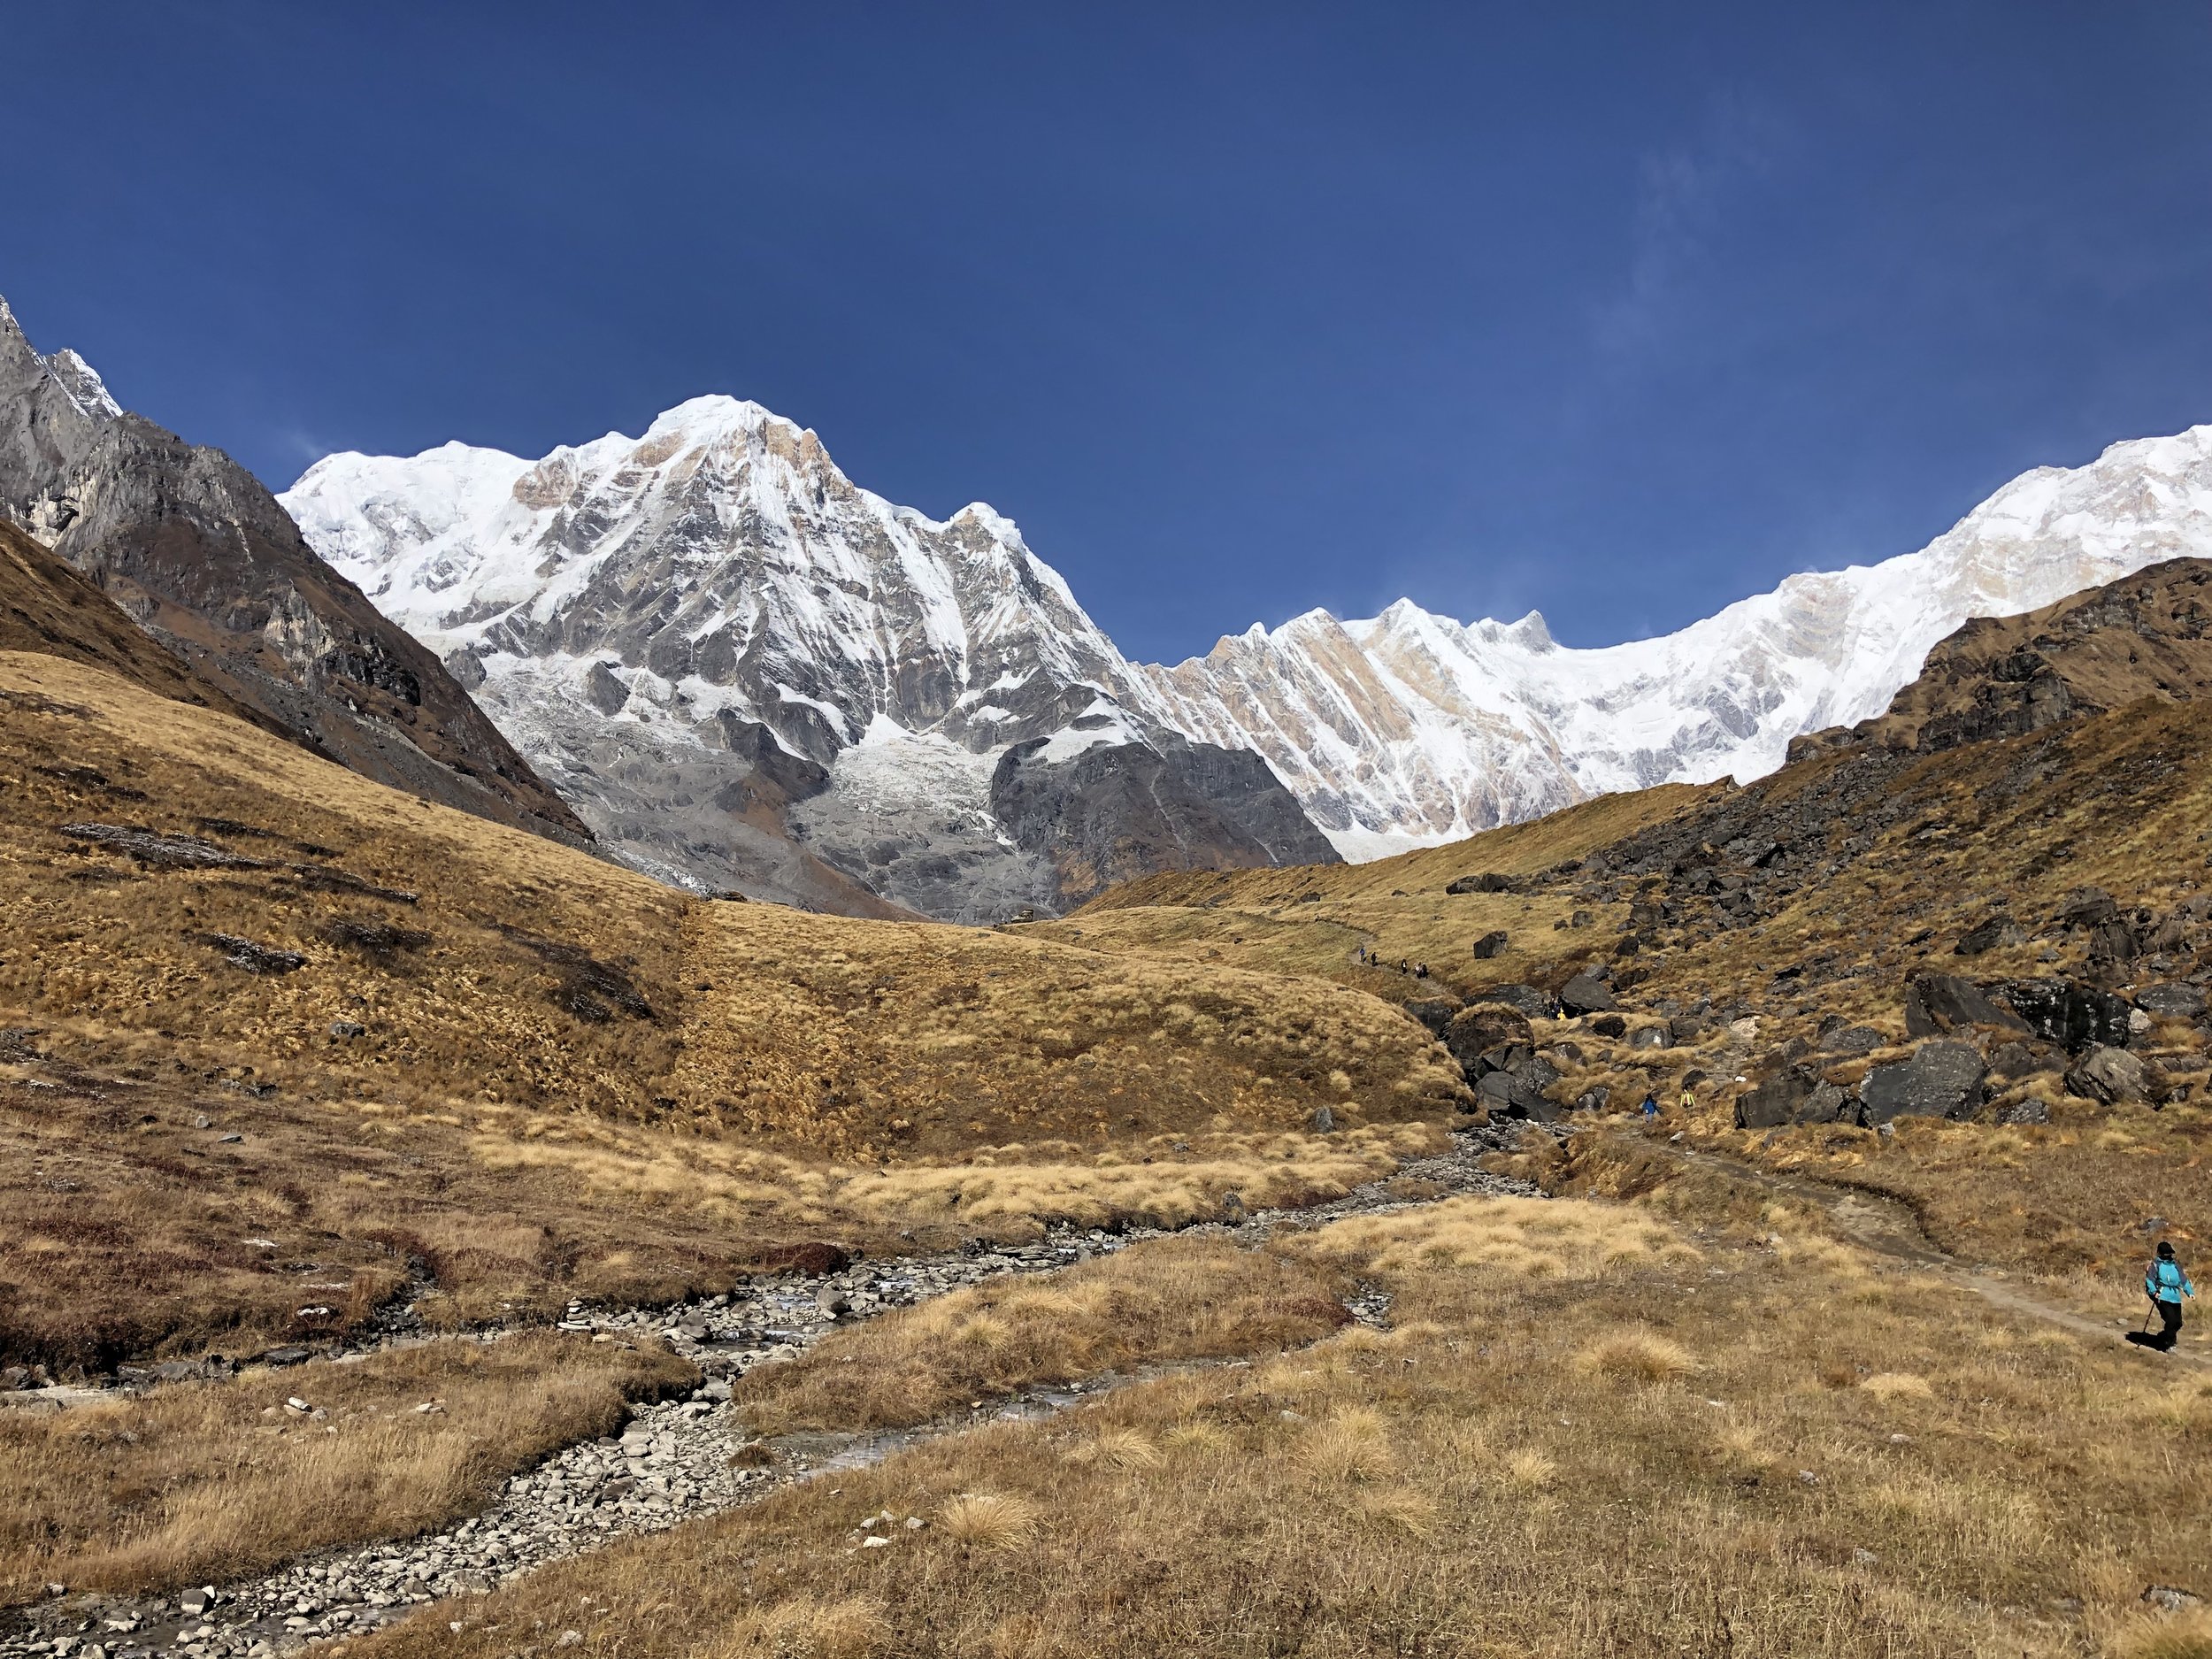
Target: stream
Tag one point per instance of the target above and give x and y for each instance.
(673, 1462)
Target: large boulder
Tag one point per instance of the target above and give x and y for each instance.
(2068, 1012)
(1585, 994)
(2170, 1002)
(1435, 1012)
(2113, 1075)
(2086, 907)
(1506, 1095)
(1527, 998)
(1941, 1079)
(1796, 1095)
(1939, 1003)
(1491, 944)
(1483, 1028)
(1998, 930)
(1489, 881)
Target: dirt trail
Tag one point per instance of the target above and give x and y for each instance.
(1888, 1228)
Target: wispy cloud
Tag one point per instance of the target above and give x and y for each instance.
(1682, 199)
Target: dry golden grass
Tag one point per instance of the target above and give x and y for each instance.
(1447, 1488)
(571, 1080)
(1153, 1303)
(211, 1480)
(989, 1520)
(2118, 800)
(852, 1628)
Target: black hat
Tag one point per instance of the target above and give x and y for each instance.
(2165, 1251)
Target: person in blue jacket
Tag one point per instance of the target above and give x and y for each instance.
(2165, 1284)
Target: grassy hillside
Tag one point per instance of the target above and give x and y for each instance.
(412, 1033)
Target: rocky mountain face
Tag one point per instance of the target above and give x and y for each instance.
(48, 606)
(1413, 729)
(748, 672)
(192, 547)
(2143, 636)
(644, 613)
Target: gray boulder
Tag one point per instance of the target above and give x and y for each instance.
(2012, 1061)
(2069, 1013)
(2112, 1076)
(1939, 1002)
(1797, 1094)
(1435, 1012)
(1651, 1037)
(1527, 998)
(1592, 1100)
(1941, 1079)
(1490, 944)
(2170, 1002)
(1483, 1029)
(1998, 930)
(1486, 882)
(1853, 1040)
(1584, 994)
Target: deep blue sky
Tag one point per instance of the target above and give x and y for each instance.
(1619, 311)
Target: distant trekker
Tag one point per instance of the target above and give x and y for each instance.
(1689, 1097)
(2165, 1284)
(1651, 1106)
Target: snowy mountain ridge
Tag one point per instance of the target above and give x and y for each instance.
(721, 568)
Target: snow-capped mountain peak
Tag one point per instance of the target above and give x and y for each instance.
(721, 567)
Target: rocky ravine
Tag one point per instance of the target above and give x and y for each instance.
(675, 1462)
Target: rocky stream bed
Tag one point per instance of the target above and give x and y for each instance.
(673, 1462)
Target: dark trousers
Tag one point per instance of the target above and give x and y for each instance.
(2170, 1327)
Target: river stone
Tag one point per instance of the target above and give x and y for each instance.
(1941, 1079)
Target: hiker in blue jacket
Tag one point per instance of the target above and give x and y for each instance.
(2165, 1284)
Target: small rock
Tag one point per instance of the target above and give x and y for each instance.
(348, 1028)
(1324, 1121)
(2169, 1599)
(201, 1120)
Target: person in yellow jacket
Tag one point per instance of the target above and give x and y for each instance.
(1689, 1099)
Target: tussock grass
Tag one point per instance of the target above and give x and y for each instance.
(1446, 1491)
(1639, 1356)
(850, 1628)
(1156, 1303)
(989, 1520)
(211, 1481)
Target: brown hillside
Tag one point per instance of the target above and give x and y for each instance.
(47, 606)
(450, 1039)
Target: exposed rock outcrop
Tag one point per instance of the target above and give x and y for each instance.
(191, 547)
